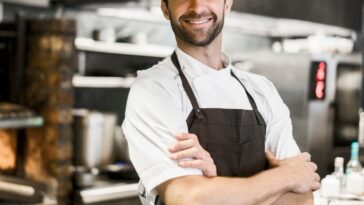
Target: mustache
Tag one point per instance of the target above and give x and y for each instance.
(194, 15)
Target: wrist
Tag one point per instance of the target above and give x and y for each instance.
(288, 178)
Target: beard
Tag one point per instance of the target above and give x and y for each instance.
(188, 37)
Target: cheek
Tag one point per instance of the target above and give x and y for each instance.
(174, 16)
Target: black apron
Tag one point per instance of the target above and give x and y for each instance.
(235, 138)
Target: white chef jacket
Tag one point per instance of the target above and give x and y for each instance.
(158, 107)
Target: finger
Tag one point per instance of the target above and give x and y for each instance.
(182, 145)
(317, 177)
(273, 161)
(209, 170)
(306, 156)
(182, 136)
(188, 136)
(188, 153)
(314, 166)
(198, 164)
(316, 186)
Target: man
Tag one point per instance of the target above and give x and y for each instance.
(202, 132)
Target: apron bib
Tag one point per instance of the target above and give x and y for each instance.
(235, 138)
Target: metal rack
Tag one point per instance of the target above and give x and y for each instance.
(21, 123)
(19, 118)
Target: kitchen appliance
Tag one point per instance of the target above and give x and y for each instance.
(322, 92)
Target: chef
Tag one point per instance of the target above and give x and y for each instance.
(201, 132)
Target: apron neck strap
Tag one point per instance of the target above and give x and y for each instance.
(251, 100)
(192, 96)
(185, 83)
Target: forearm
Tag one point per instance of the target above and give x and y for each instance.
(264, 188)
(290, 198)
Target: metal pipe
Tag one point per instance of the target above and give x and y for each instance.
(361, 109)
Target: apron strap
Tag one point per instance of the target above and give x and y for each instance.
(193, 99)
(251, 100)
(185, 83)
(158, 201)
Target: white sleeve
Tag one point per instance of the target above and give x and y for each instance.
(279, 137)
(153, 115)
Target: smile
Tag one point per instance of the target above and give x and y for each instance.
(198, 21)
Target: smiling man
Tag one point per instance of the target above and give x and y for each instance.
(201, 132)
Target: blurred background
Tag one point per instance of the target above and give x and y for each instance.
(66, 67)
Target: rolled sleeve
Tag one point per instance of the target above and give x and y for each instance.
(279, 135)
(153, 116)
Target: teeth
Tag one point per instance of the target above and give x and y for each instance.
(198, 21)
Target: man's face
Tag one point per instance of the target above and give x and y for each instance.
(196, 22)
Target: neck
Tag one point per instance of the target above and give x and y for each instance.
(209, 55)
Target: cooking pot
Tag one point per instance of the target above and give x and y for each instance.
(94, 138)
(121, 146)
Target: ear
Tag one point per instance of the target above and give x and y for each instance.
(164, 8)
(228, 5)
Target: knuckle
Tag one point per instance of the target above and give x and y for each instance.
(179, 155)
(186, 163)
(201, 154)
(208, 154)
(195, 137)
(196, 151)
(177, 146)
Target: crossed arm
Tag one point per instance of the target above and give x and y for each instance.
(290, 181)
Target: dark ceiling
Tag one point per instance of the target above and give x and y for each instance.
(344, 13)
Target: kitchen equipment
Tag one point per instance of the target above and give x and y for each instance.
(21, 190)
(322, 93)
(121, 145)
(94, 138)
(120, 193)
(120, 171)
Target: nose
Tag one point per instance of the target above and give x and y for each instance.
(197, 6)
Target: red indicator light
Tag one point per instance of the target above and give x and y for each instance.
(322, 65)
(321, 74)
(320, 90)
(318, 80)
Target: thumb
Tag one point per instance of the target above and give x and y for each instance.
(273, 161)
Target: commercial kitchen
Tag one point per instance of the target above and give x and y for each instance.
(66, 68)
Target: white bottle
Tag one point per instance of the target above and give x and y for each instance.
(354, 163)
(354, 183)
(354, 179)
(330, 186)
(339, 171)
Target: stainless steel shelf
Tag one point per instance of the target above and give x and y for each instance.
(148, 50)
(102, 82)
(18, 123)
(108, 193)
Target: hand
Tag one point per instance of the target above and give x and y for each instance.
(189, 147)
(301, 169)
